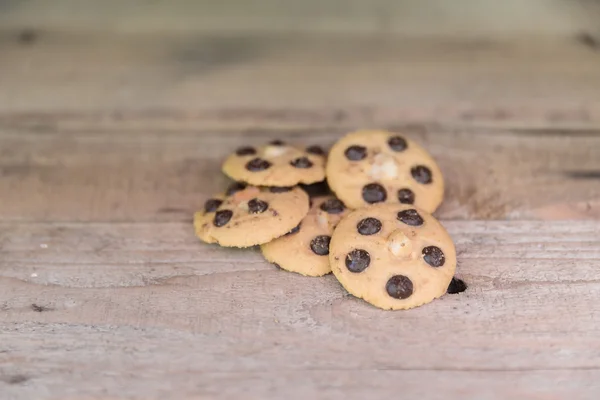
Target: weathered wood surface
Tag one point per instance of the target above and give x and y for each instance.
(142, 310)
(527, 81)
(114, 117)
(462, 18)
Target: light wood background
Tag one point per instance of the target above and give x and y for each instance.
(115, 116)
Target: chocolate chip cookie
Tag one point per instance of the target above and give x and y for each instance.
(276, 164)
(373, 166)
(248, 215)
(394, 256)
(305, 248)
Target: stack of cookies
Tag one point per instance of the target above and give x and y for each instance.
(374, 231)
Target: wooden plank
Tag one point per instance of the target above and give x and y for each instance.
(153, 168)
(214, 323)
(438, 17)
(524, 81)
(115, 119)
(116, 254)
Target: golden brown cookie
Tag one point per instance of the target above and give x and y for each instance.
(248, 215)
(394, 256)
(371, 166)
(276, 164)
(305, 248)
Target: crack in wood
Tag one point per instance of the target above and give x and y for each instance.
(38, 308)
(582, 174)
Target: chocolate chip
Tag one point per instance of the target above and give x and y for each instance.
(333, 206)
(276, 142)
(302, 162)
(280, 189)
(421, 173)
(356, 153)
(399, 287)
(410, 217)
(317, 189)
(406, 196)
(245, 151)
(368, 226)
(317, 150)
(257, 206)
(320, 245)
(276, 265)
(211, 205)
(357, 260)
(235, 187)
(222, 217)
(397, 143)
(257, 164)
(456, 286)
(294, 230)
(434, 256)
(374, 193)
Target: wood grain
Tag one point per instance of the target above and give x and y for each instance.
(115, 116)
(72, 311)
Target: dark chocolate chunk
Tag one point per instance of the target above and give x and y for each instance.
(235, 187)
(316, 189)
(222, 217)
(257, 164)
(257, 206)
(374, 193)
(356, 153)
(421, 174)
(280, 189)
(296, 229)
(434, 256)
(357, 260)
(410, 217)
(316, 150)
(406, 196)
(397, 143)
(333, 206)
(276, 142)
(211, 205)
(245, 151)
(399, 287)
(302, 162)
(320, 245)
(368, 226)
(456, 286)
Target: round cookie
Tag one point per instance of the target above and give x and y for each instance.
(305, 248)
(276, 164)
(394, 256)
(248, 215)
(371, 166)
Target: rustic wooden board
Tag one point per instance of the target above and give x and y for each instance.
(532, 81)
(115, 116)
(138, 310)
(463, 18)
(147, 168)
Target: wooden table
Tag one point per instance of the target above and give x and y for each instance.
(114, 120)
